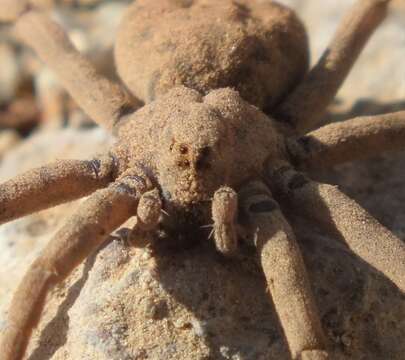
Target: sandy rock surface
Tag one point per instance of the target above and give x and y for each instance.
(128, 302)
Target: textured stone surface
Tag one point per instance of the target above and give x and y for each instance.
(130, 303)
(91, 26)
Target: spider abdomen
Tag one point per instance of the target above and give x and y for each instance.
(258, 48)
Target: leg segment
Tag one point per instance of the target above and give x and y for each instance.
(104, 101)
(103, 212)
(224, 212)
(285, 273)
(364, 235)
(349, 140)
(149, 210)
(53, 184)
(307, 103)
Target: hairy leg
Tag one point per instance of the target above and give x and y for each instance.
(285, 273)
(103, 212)
(349, 140)
(224, 212)
(329, 207)
(53, 184)
(104, 101)
(308, 102)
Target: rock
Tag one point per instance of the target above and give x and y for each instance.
(122, 304)
(128, 302)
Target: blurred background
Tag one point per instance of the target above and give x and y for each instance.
(31, 98)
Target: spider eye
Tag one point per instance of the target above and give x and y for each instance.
(183, 163)
(183, 149)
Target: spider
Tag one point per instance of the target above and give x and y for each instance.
(225, 135)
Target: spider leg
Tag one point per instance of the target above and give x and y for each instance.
(285, 273)
(53, 184)
(309, 100)
(149, 210)
(224, 212)
(103, 212)
(329, 207)
(104, 101)
(349, 140)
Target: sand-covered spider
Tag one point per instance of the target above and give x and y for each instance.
(207, 153)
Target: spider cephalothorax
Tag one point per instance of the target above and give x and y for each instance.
(205, 142)
(201, 152)
(204, 145)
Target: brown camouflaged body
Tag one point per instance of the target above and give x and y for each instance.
(259, 48)
(192, 144)
(198, 147)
